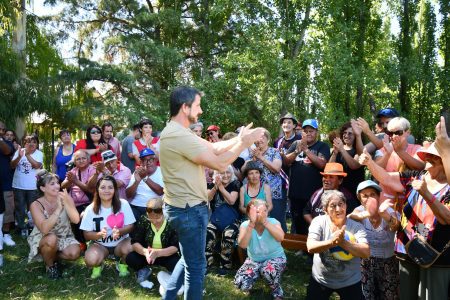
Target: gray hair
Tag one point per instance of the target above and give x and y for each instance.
(192, 126)
(229, 169)
(328, 195)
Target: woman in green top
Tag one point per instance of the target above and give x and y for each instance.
(254, 188)
(154, 242)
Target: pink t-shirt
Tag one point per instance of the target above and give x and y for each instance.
(79, 197)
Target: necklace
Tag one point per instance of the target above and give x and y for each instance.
(51, 206)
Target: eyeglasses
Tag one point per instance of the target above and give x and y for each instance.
(81, 158)
(347, 133)
(148, 160)
(210, 133)
(157, 211)
(391, 133)
(95, 132)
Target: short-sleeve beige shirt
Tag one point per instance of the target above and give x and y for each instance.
(184, 180)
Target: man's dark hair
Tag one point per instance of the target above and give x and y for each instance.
(145, 121)
(107, 124)
(182, 95)
(135, 127)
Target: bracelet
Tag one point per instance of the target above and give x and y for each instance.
(430, 202)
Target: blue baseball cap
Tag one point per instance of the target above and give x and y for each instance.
(367, 184)
(311, 122)
(146, 152)
(388, 112)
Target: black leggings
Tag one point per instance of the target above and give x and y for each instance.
(318, 291)
(137, 261)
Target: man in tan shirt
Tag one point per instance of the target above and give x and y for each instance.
(183, 156)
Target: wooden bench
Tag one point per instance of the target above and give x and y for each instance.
(291, 242)
(294, 242)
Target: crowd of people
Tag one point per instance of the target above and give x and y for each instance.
(186, 199)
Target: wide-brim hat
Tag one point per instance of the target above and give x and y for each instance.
(288, 116)
(368, 184)
(422, 153)
(334, 169)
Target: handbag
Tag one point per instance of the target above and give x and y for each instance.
(223, 216)
(421, 252)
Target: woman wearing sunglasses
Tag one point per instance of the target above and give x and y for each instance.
(154, 242)
(94, 144)
(397, 155)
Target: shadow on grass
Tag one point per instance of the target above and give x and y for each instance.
(20, 280)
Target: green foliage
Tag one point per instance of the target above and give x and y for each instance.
(255, 60)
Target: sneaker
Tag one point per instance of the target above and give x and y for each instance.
(96, 272)
(53, 272)
(7, 239)
(162, 291)
(146, 284)
(163, 279)
(1, 240)
(122, 269)
(143, 274)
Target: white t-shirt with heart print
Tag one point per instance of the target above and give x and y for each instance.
(106, 218)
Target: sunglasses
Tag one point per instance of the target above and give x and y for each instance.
(95, 132)
(210, 133)
(154, 210)
(398, 133)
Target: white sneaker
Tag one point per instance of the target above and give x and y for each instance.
(163, 279)
(146, 284)
(7, 239)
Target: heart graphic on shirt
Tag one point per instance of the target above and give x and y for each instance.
(115, 220)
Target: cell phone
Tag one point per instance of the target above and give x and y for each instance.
(445, 112)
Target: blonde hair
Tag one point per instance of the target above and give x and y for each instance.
(404, 123)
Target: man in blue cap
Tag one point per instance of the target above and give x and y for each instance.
(307, 158)
(146, 183)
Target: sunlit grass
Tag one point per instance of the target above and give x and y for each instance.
(20, 280)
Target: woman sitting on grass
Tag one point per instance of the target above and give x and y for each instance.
(262, 237)
(52, 237)
(107, 222)
(154, 242)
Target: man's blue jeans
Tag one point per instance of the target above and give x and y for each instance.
(190, 224)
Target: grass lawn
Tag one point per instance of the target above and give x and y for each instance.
(20, 280)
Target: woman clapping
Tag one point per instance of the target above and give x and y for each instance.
(262, 237)
(52, 237)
